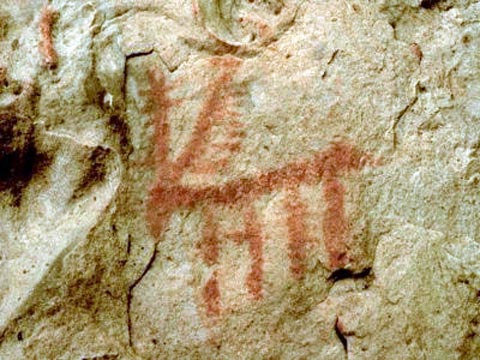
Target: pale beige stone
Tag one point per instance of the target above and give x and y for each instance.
(250, 88)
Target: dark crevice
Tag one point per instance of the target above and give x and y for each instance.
(429, 4)
(334, 55)
(139, 53)
(342, 274)
(130, 291)
(102, 357)
(401, 114)
(330, 61)
(121, 128)
(393, 24)
(129, 244)
(125, 69)
(340, 336)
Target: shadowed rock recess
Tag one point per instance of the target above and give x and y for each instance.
(240, 179)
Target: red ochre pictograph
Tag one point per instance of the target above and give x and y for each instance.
(169, 194)
(50, 57)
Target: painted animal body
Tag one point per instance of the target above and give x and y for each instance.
(169, 194)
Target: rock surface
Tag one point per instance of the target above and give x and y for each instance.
(282, 179)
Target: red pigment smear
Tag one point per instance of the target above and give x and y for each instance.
(220, 152)
(168, 172)
(211, 296)
(168, 194)
(335, 224)
(327, 164)
(214, 109)
(417, 51)
(209, 244)
(297, 233)
(162, 104)
(157, 216)
(337, 158)
(253, 235)
(46, 48)
(211, 167)
(195, 8)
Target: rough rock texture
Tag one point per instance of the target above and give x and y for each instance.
(220, 179)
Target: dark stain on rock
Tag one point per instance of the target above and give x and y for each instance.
(19, 158)
(3, 77)
(4, 25)
(95, 173)
(94, 91)
(122, 132)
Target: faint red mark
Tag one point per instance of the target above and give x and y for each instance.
(177, 196)
(335, 225)
(209, 246)
(297, 233)
(214, 109)
(195, 8)
(417, 51)
(253, 235)
(263, 31)
(46, 48)
(168, 194)
(221, 150)
(211, 296)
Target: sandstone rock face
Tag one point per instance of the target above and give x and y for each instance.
(220, 179)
